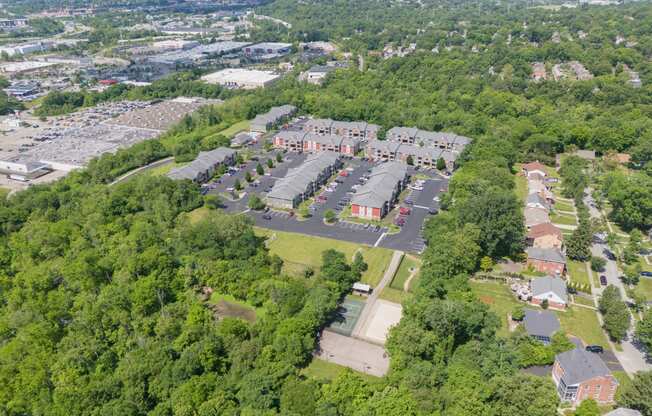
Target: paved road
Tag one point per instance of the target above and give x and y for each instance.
(632, 357)
(152, 165)
(369, 305)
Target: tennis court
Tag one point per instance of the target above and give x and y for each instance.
(346, 317)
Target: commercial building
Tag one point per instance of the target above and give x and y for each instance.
(376, 197)
(316, 74)
(552, 289)
(23, 170)
(241, 78)
(580, 375)
(546, 260)
(23, 67)
(264, 122)
(267, 50)
(204, 166)
(302, 182)
(196, 54)
(22, 90)
(26, 48)
(350, 129)
(9, 24)
(541, 325)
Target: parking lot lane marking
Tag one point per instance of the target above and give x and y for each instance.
(421, 206)
(379, 239)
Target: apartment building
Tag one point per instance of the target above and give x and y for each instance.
(203, 167)
(441, 140)
(376, 197)
(262, 123)
(299, 141)
(424, 157)
(349, 129)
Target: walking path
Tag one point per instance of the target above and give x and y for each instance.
(154, 164)
(387, 278)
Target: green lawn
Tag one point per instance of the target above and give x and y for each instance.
(644, 265)
(564, 206)
(521, 187)
(583, 323)
(163, 169)
(623, 381)
(645, 287)
(563, 219)
(499, 298)
(323, 370)
(578, 273)
(584, 301)
(394, 295)
(300, 251)
(403, 272)
(236, 128)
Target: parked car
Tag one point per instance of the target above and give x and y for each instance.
(267, 217)
(646, 274)
(595, 348)
(399, 221)
(432, 211)
(404, 211)
(409, 202)
(603, 280)
(344, 173)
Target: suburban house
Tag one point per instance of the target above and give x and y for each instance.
(541, 325)
(262, 123)
(536, 201)
(535, 216)
(545, 235)
(376, 197)
(203, 167)
(534, 168)
(535, 186)
(579, 375)
(621, 411)
(552, 289)
(300, 183)
(546, 260)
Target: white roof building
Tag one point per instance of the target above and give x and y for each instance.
(241, 78)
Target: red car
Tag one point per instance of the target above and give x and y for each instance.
(404, 211)
(344, 173)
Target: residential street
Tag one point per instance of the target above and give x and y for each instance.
(631, 357)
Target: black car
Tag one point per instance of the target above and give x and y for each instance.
(432, 211)
(595, 348)
(603, 280)
(267, 217)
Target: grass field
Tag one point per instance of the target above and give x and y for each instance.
(394, 295)
(322, 370)
(499, 299)
(564, 206)
(403, 273)
(236, 128)
(300, 251)
(578, 273)
(645, 287)
(163, 169)
(584, 324)
(584, 301)
(521, 187)
(226, 305)
(557, 218)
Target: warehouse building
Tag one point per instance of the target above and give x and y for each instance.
(23, 170)
(302, 182)
(276, 115)
(241, 78)
(267, 50)
(376, 197)
(204, 166)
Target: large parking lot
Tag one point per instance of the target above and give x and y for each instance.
(407, 238)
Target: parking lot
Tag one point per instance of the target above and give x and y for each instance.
(334, 196)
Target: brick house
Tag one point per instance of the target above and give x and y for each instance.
(580, 375)
(546, 236)
(550, 261)
(551, 289)
(534, 167)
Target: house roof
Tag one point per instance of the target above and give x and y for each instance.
(536, 199)
(274, 114)
(621, 411)
(544, 229)
(202, 163)
(381, 185)
(580, 365)
(536, 165)
(534, 216)
(296, 180)
(543, 285)
(535, 176)
(540, 323)
(551, 255)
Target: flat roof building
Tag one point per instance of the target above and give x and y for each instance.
(23, 170)
(267, 50)
(241, 78)
(302, 182)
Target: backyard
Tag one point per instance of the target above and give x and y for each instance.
(578, 273)
(499, 298)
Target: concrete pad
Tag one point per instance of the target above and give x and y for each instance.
(383, 316)
(353, 353)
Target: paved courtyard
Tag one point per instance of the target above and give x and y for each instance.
(384, 315)
(353, 353)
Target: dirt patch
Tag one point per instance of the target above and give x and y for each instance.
(487, 300)
(224, 308)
